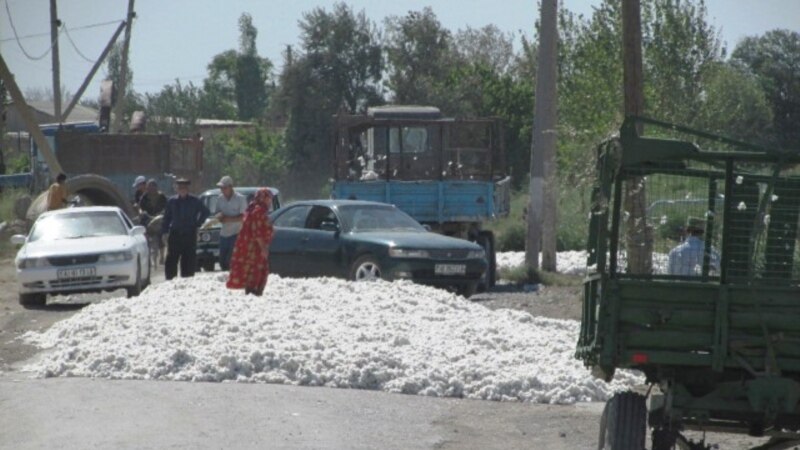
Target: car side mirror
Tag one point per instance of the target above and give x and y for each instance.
(18, 239)
(329, 226)
(138, 230)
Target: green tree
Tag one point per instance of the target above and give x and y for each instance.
(239, 80)
(775, 59)
(338, 70)
(175, 109)
(418, 54)
(253, 156)
(133, 101)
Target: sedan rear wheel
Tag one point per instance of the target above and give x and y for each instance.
(366, 268)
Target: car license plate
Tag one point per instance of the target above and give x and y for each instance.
(450, 269)
(78, 272)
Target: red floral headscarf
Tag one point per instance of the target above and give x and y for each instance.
(263, 199)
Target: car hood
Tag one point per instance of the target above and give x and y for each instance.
(89, 245)
(414, 240)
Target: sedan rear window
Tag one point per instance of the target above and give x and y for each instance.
(377, 218)
(78, 225)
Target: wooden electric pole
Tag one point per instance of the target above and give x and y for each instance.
(639, 235)
(123, 76)
(54, 24)
(541, 233)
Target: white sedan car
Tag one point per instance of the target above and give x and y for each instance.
(76, 250)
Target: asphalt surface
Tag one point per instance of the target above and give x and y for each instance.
(81, 413)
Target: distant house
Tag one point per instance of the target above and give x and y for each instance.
(45, 113)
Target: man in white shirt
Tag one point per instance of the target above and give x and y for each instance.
(231, 206)
(687, 258)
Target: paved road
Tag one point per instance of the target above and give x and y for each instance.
(80, 413)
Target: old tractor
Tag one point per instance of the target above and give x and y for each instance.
(448, 174)
(709, 315)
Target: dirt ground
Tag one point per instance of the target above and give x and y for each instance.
(561, 302)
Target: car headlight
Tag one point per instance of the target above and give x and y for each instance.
(205, 237)
(408, 253)
(116, 257)
(476, 254)
(32, 263)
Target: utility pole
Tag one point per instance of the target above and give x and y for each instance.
(123, 76)
(541, 232)
(91, 73)
(639, 235)
(27, 116)
(54, 24)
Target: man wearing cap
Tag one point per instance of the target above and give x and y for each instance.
(687, 258)
(231, 206)
(140, 186)
(182, 217)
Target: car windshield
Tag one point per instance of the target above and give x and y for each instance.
(78, 225)
(366, 218)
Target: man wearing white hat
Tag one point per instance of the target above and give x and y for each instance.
(140, 185)
(231, 206)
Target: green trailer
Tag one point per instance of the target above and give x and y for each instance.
(694, 280)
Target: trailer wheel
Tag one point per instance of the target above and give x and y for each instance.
(486, 240)
(624, 422)
(664, 438)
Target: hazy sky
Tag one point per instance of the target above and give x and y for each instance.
(177, 38)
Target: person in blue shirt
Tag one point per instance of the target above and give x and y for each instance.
(183, 215)
(687, 258)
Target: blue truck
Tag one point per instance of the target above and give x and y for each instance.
(448, 174)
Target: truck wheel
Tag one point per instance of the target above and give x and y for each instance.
(467, 290)
(32, 300)
(624, 422)
(366, 268)
(486, 240)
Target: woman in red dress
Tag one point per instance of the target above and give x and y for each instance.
(249, 262)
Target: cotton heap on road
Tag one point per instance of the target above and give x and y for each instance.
(574, 262)
(395, 337)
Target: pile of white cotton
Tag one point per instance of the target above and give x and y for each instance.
(396, 337)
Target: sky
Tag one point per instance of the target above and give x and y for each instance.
(176, 39)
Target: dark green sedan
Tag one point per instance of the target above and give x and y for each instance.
(361, 240)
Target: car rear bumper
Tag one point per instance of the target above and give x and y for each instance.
(106, 277)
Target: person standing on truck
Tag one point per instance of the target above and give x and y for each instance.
(182, 217)
(140, 186)
(231, 206)
(687, 258)
(57, 193)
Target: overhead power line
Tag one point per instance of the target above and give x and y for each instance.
(69, 38)
(83, 27)
(16, 36)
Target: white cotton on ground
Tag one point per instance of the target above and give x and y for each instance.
(574, 262)
(568, 262)
(395, 337)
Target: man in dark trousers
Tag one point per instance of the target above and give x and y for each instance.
(182, 217)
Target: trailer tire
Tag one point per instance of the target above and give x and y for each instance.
(664, 438)
(623, 425)
(486, 240)
(94, 189)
